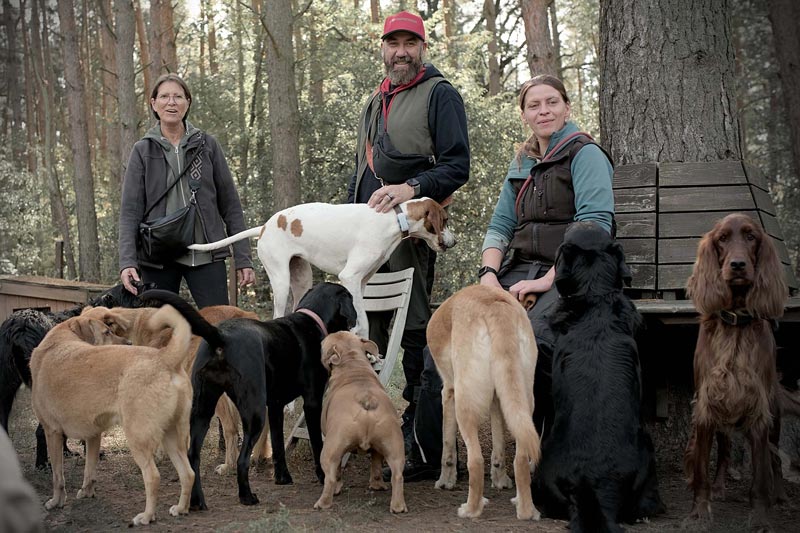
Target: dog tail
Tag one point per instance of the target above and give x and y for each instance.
(510, 385)
(174, 353)
(252, 232)
(199, 325)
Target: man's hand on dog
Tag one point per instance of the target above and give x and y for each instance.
(384, 199)
(127, 277)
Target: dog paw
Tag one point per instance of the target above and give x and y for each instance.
(464, 510)
(323, 504)
(142, 519)
(378, 485)
(52, 503)
(222, 469)
(248, 499)
(176, 510)
(502, 482)
(198, 506)
(398, 508)
(718, 494)
(85, 493)
(444, 484)
(526, 512)
(283, 479)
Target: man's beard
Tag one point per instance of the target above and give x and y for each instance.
(402, 77)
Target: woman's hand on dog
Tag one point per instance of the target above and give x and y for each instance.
(538, 286)
(127, 277)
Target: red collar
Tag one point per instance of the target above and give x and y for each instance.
(317, 319)
(386, 93)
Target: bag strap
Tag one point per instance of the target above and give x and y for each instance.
(194, 168)
(546, 158)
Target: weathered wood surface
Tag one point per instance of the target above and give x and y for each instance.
(693, 174)
(643, 175)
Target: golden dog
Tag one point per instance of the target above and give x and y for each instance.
(357, 414)
(483, 346)
(132, 324)
(81, 390)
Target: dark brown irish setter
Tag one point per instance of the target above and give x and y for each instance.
(738, 289)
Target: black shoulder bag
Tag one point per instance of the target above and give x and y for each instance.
(169, 237)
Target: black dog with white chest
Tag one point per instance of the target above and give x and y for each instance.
(260, 364)
(598, 464)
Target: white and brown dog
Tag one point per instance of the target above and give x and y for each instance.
(350, 241)
(358, 415)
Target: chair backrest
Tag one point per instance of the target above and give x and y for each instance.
(390, 291)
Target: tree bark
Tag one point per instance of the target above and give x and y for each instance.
(375, 11)
(212, 40)
(124, 20)
(551, 12)
(144, 51)
(13, 95)
(283, 109)
(667, 90)
(540, 55)
(89, 250)
(240, 115)
(44, 73)
(30, 94)
(490, 14)
(449, 8)
(110, 79)
(785, 17)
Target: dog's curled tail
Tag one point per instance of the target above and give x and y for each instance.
(252, 232)
(175, 352)
(508, 354)
(199, 325)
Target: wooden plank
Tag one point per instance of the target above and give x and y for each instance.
(639, 250)
(755, 176)
(783, 252)
(763, 201)
(673, 276)
(643, 175)
(771, 225)
(790, 278)
(677, 250)
(635, 200)
(707, 173)
(34, 291)
(636, 225)
(730, 198)
(672, 225)
(643, 277)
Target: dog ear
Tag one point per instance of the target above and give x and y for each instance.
(370, 347)
(705, 287)
(624, 275)
(768, 295)
(84, 328)
(331, 357)
(436, 216)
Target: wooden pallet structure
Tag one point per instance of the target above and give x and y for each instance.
(45, 294)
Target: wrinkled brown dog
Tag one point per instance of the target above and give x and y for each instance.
(132, 324)
(81, 390)
(357, 414)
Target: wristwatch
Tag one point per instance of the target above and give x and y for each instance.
(414, 183)
(485, 270)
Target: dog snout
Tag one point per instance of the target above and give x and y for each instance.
(447, 240)
(738, 265)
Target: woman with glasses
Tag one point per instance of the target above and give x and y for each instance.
(174, 164)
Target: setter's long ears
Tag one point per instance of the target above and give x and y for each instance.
(769, 292)
(705, 287)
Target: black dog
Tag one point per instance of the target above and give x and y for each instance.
(23, 330)
(598, 464)
(260, 364)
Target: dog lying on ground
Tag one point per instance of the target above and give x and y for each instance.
(81, 389)
(357, 414)
(598, 463)
(260, 364)
(737, 286)
(132, 324)
(348, 240)
(483, 346)
(22, 331)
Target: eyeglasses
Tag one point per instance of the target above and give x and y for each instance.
(164, 98)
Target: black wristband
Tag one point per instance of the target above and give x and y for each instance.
(485, 270)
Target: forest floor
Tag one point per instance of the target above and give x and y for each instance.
(120, 494)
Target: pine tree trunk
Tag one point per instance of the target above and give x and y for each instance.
(283, 109)
(144, 51)
(667, 90)
(375, 11)
(541, 54)
(89, 251)
(110, 78)
(13, 95)
(240, 75)
(154, 40)
(124, 22)
(785, 17)
(490, 14)
(30, 94)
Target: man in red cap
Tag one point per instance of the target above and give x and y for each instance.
(412, 142)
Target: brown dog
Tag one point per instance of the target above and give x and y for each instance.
(132, 324)
(81, 390)
(357, 414)
(483, 346)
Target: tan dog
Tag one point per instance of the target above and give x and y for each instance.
(357, 414)
(132, 324)
(483, 346)
(81, 390)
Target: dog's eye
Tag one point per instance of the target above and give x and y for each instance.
(750, 237)
(723, 238)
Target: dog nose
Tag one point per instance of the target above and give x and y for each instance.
(738, 265)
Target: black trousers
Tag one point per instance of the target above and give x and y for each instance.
(428, 420)
(207, 283)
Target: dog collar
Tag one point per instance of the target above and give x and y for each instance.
(317, 319)
(735, 319)
(402, 219)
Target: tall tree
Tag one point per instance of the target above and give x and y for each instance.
(13, 95)
(109, 139)
(284, 116)
(30, 93)
(124, 20)
(541, 54)
(667, 81)
(490, 14)
(785, 17)
(89, 250)
(144, 51)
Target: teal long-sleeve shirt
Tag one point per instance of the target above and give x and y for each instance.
(592, 176)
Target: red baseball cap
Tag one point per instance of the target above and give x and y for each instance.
(404, 21)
